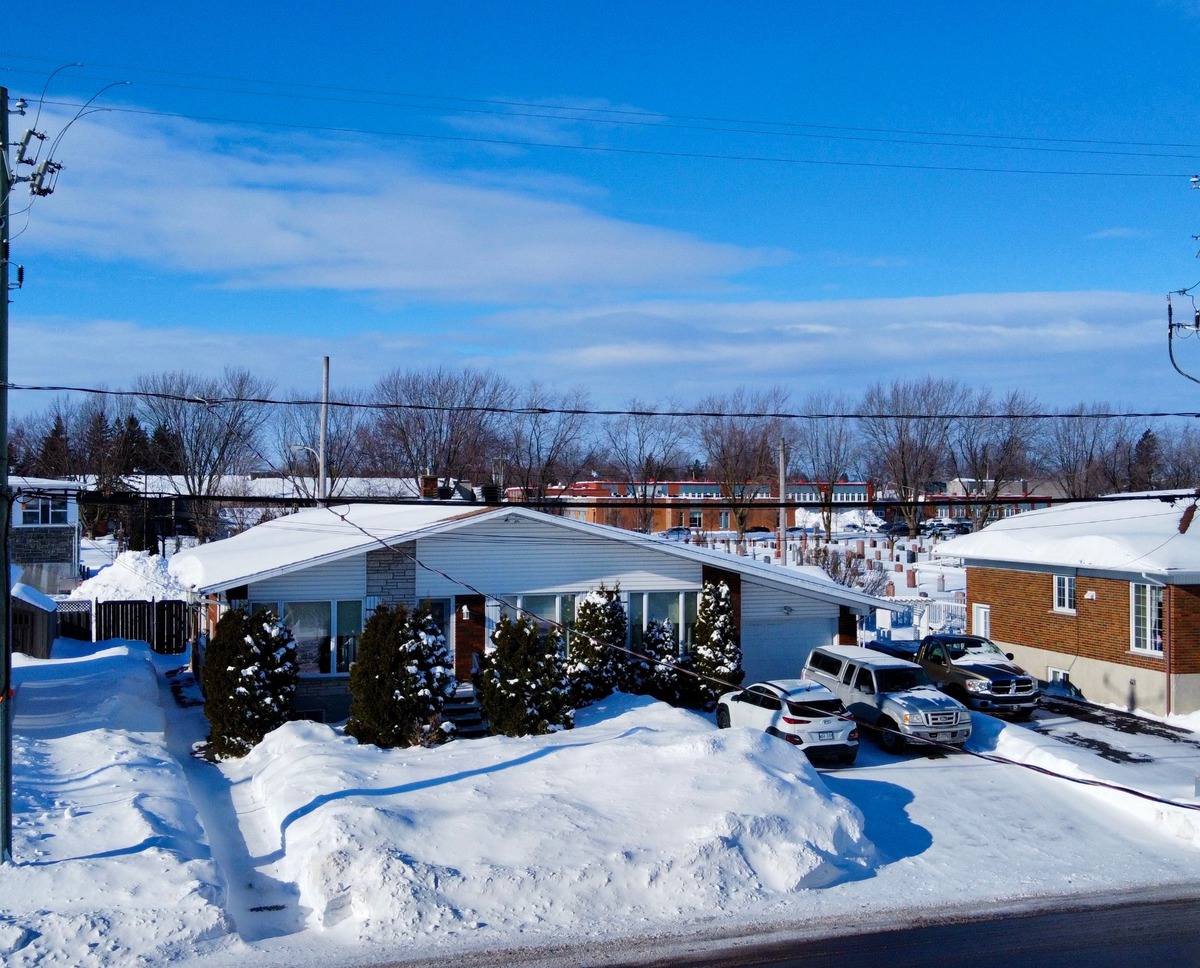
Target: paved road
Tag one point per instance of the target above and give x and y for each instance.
(1157, 933)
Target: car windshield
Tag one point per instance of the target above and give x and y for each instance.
(961, 648)
(897, 680)
(816, 707)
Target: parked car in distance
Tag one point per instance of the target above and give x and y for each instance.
(889, 694)
(676, 534)
(800, 711)
(976, 671)
(894, 528)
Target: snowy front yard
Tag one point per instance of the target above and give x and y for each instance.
(643, 820)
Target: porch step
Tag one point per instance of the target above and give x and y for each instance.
(463, 710)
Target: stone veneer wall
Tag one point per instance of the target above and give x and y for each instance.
(392, 575)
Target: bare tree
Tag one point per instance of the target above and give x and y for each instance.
(824, 446)
(298, 437)
(738, 436)
(906, 426)
(215, 423)
(546, 442)
(1179, 457)
(1079, 450)
(645, 447)
(444, 422)
(991, 446)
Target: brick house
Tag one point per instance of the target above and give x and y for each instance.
(325, 571)
(1105, 594)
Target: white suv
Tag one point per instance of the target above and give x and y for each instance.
(800, 711)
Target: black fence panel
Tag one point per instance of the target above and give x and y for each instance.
(75, 619)
(162, 624)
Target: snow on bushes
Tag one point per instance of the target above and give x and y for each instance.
(592, 663)
(716, 652)
(522, 683)
(249, 676)
(400, 680)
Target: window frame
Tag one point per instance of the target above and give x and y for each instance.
(1146, 629)
(1064, 599)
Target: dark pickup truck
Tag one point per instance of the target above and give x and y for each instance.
(973, 670)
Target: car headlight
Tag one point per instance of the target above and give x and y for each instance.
(978, 685)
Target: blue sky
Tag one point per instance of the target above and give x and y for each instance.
(656, 200)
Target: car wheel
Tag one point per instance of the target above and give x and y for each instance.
(890, 738)
(722, 717)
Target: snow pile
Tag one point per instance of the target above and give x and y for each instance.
(642, 814)
(135, 576)
(112, 867)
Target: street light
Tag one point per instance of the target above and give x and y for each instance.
(322, 489)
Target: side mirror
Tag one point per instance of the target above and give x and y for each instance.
(1008, 655)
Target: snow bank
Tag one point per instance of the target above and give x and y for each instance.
(642, 814)
(103, 821)
(135, 576)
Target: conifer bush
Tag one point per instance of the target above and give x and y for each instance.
(249, 678)
(663, 679)
(716, 652)
(522, 683)
(592, 664)
(400, 680)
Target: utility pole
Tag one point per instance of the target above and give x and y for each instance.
(782, 542)
(323, 487)
(6, 691)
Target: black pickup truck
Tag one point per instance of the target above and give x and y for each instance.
(973, 670)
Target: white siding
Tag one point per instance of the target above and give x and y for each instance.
(531, 557)
(775, 643)
(332, 581)
(762, 603)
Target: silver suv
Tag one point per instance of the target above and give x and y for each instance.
(892, 695)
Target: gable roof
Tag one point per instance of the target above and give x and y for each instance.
(318, 535)
(1138, 535)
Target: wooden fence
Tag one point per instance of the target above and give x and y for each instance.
(164, 625)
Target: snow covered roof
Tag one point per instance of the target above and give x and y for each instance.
(307, 538)
(1137, 535)
(318, 535)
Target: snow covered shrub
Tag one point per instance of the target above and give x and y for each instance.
(249, 678)
(400, 680)
(523, 685)
(716, 652)
(663, 680)
(591, 664)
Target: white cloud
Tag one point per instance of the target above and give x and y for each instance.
(1062, 347)
(313, 213)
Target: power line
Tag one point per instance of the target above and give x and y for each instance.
(213, 402)
(591, 113)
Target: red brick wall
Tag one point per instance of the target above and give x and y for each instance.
(1022, 606)
(468, 634)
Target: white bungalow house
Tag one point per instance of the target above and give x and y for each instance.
(326, 569)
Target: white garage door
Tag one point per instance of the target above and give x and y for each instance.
(777, 649)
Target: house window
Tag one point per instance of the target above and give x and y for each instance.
(723, 522)
(44, 510)
(695, 519)
(1146, 619)
(318, 650)
(678, 608)
(1064, 593)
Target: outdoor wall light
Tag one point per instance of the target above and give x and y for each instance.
(466, 614)
(1090, 595)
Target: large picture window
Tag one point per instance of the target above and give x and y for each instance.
(1147, 619)
(326, 633)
